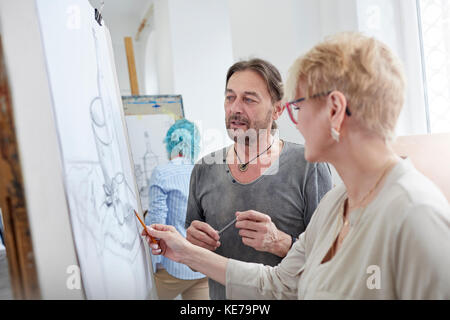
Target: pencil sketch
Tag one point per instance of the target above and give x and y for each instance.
(147, 134)
(144, 169)
(99, 180)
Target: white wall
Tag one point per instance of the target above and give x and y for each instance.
(396, 24)
(151, 85)
(162, 51)
(123, 19)
(119, 30)
(194, 52)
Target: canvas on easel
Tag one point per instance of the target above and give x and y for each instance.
(99, 179)
(148, 119)
(79, 188)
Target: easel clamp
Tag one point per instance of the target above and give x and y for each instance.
(98, 14)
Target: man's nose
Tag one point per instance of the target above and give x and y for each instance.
(237, 106)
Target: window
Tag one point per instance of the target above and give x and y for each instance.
(434, 20)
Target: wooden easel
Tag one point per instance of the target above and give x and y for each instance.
(131, 66)
(17, 236)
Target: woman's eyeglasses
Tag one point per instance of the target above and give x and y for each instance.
(294, 106)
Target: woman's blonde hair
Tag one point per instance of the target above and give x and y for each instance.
(364, 69)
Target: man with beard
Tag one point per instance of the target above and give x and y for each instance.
(259, 180)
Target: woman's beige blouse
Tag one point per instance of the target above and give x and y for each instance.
(398, 247)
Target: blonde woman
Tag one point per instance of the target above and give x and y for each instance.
(384, 233)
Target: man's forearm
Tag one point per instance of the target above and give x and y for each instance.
(207, 262)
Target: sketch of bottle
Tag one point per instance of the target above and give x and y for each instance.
(139, 176)
(150, 161)
(150, 158)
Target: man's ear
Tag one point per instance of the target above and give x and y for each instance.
(278, 109)
(337, 104)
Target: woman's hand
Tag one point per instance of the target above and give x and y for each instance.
(174, 246)
(171, 244)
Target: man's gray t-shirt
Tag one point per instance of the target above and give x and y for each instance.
(288, 191)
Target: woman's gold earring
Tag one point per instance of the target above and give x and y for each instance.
(335, 134)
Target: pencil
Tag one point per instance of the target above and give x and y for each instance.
(145, 228)
(227, 226)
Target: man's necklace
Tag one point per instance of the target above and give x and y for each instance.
(244, 166)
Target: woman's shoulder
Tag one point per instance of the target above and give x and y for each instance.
(411, 188)
(410, 198)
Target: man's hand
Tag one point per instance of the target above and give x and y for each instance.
(203, 235)
(259, 232)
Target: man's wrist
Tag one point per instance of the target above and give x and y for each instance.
(283, 245)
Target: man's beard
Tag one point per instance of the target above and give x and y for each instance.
(254, 130)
